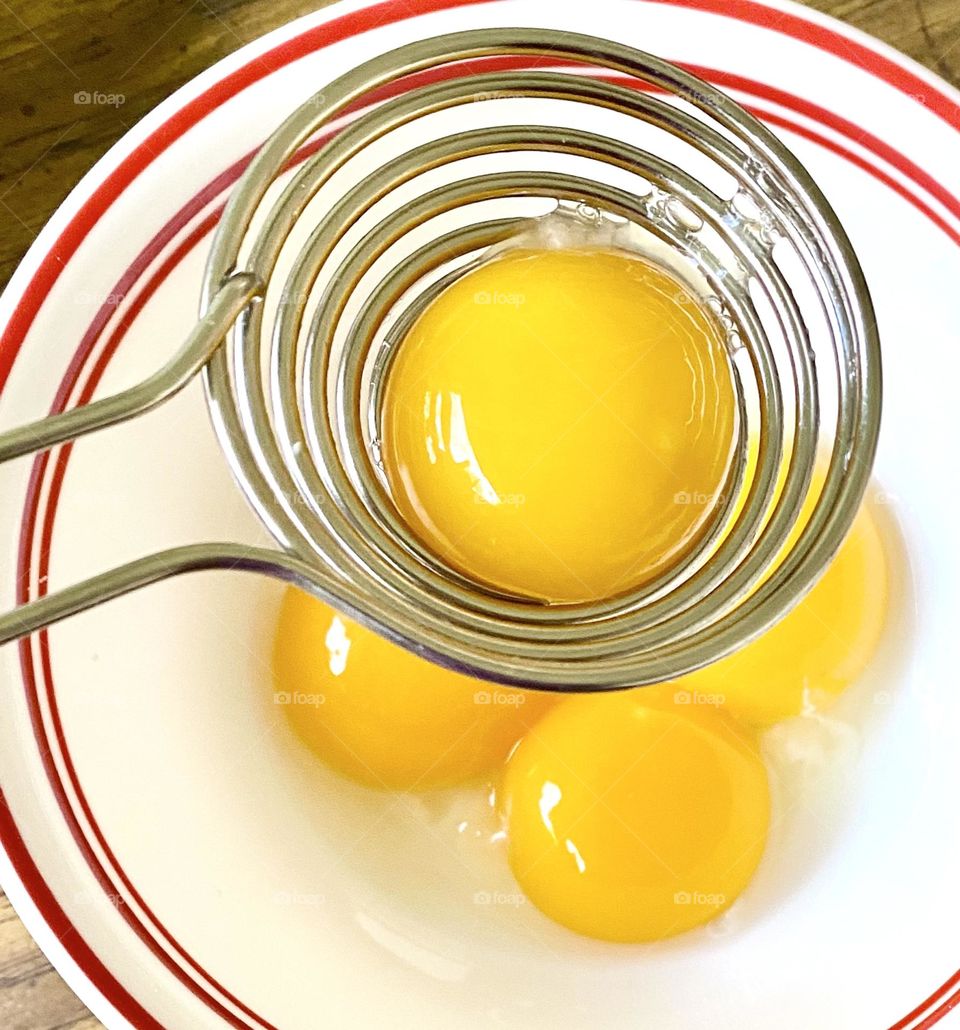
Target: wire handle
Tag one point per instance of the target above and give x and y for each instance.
(203, 340)
(205, 337)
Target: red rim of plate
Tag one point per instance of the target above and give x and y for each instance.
(825, 37)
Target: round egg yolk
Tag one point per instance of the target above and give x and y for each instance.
(818, 649)
(383, 716)
(557, 424)
(633, 822)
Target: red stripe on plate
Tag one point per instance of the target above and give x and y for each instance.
(160, 275)
(180, 122)
(828, 39)
(153, 283)
(59, 924)
(908, 1021)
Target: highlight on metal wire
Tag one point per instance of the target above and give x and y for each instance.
(294, 396)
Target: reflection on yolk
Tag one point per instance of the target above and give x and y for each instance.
(630, 821)
(819, 648)
(383, 716)
(558, 423)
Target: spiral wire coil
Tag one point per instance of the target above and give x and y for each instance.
(296, 413)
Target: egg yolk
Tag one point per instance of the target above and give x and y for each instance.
(557, 424)
(634, 822)
(818, 649)
(383, 716)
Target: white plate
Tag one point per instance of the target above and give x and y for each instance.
(181, 865)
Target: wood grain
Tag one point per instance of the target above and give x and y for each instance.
(141, 51)
(32, 996)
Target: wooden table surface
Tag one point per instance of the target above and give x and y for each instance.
(145, 49)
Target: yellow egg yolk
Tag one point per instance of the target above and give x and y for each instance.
(383, 716)
(818, 649)
(634, 822)
(557, 424)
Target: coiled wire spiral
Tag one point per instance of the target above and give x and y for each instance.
(296, 415)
